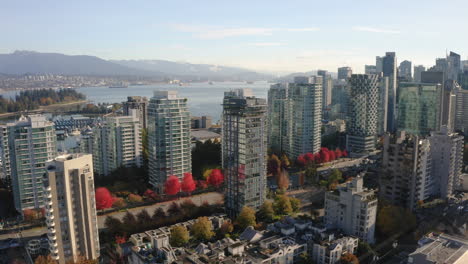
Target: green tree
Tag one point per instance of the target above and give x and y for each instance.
(246, 217)
(179, 236)
(335, 175)
(393, 219)
(129, 222)
(205, 155)
(202, 229)
(304, 258)
(363, 248)
(311, 174)
(113, 225)
(158, 215)
(266, 212)
(188, 208)
(295, 204)
(282, 205)
(143, 218)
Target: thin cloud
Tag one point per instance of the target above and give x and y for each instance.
(211, 32)
(376, 30)
(267, 44)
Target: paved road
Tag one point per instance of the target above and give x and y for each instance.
(211, 198)
(341, 163)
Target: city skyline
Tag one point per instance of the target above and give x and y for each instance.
(235, 34)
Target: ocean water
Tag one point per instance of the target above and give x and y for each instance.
(203, 98)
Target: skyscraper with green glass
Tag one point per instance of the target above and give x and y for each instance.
(27, 144)
(418, 107)
(169, 141)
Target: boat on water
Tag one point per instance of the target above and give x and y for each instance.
(249, 82)
(210, 83)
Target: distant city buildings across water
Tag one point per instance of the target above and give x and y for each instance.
(203, 98)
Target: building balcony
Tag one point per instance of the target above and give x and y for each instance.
(50, 222)
(52, 237)
(53, 244)
(49, 216)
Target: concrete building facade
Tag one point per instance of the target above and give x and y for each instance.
(389, 69)
(353, 209)
(115, 143)
(418, 69)
(461, 111)
(405, 70)
(140, 104)
(417, 169)
(406, 177)
(344, 73)
(363, 112)
(71, 208)
(447, 161)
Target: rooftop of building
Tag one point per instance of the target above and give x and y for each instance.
(202, 134)
(441, 248)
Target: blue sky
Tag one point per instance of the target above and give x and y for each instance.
(275, 36)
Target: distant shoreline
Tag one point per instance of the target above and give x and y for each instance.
(45, 108)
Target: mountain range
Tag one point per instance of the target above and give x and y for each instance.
(31, 62)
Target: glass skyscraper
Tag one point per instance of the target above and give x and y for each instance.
(418, 108)
(27, 144)
(169, 141)
(295, 112)
(244, 150)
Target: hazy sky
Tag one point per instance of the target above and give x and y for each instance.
(276, 36)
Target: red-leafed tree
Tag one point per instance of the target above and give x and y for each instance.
(309, 157)
(216, 178)
(332, 155)
(338, 153)
(324, 155)
(104, 198)
(301, 161)
(172, 185)
(344, 153)
(120, 239)
(202, 184)
(150, 194)
(317, 159)
(188, 184)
